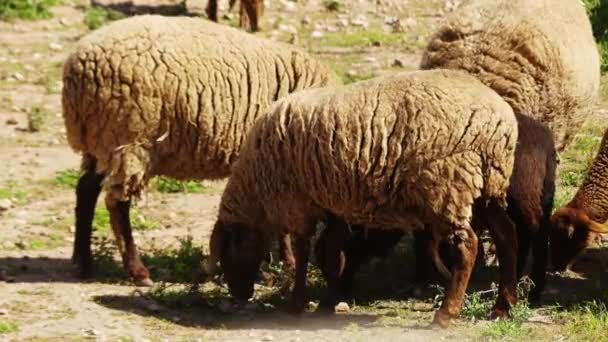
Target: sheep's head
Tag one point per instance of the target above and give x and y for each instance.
(572, 232)
(240, 250)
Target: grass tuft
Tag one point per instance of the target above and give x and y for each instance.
(97, 17)
(27, 9)
(586, 322)
(7, 327)
(170, 185)
(67, 178)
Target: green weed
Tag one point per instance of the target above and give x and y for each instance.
(97, 17)
(36, 119)
(598, 14)
(7, 327)
(182, 264)
(27, 9)
(67, 178)
(586, 322)
(13, 191)
(170, 185)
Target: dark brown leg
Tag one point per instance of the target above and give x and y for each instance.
(253, 10)
(337, 234)
(211, 10)
(121, 225)
(504, 236)
(464, 241)
(285, 251)
(87, 192)
(540, 250)
(299, 288)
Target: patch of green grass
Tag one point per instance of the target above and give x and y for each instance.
(27, 9)
(7, 327)
(182, 264)
(170, 185)
(97, 17)
(12, 191)
(35, 292)
(67, 178)
(360, 38)
(598, 14)
(101, 222)
(347, 75)
(586, 322)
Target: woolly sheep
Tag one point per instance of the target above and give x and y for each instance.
(578, 222)
(539, 55)
(394, 151)
(529, 206)
(153, 95)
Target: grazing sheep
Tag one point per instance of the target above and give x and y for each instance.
(577, 224)
(539, 55)
(250, 12)
(153, 95)
(396, 151)
(529, 206)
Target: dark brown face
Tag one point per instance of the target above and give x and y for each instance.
(241, 250)
(568, 238)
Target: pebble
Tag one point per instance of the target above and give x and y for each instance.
(290, 7)
(3, 312)
(343, 22)
(55, 46)
(316, 34)
(398, 63)
(342, 307)
(18, 76)
(91, 332)
(21, 214)
(268, 338)
(306, 20)
(5, 204)
(370, 59)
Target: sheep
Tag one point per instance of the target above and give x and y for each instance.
(540, 56)
(394, 151)
(577, 224)
(529, 205)
(250, 11)
(153, 95)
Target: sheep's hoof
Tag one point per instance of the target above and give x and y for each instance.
(440, 321)
(499, 313)
(145, 282)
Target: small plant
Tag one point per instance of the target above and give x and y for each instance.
(183, 264)
(598, 14)
(170, 185)
(12, 191)
(101, 222)
(332, 5)
(7, 327)
(27, 9)
(36, 118)
(97, 17)
(587, 322)
(67, 178)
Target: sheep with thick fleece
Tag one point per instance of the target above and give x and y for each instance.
(174, 96)
(539, 55)
(395, 151)
(577, 224)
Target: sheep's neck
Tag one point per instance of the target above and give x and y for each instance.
(593, 194)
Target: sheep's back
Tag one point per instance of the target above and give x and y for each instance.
(187, 88)
(539, 55)
(409, 140)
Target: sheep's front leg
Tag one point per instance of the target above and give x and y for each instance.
(504, 235)
(299, 288)
(286, 251)
(464, 241)
(540, 250)
(87, 192)
(121, 225)
(211, 10)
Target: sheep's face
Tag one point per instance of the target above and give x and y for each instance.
(570, 235)
(240, 249)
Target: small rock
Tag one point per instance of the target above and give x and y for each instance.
(18, 76)
(342, 307)
(3, 312)
(398, 63)
(332, 29)
(64, 21)
(72, 229)
(316, 34)
(376, 43)
(370, 59)
(290, 7)
(91, 332)
(268, 338)
(21, 245)
(306, 20)
(343, 22)
(5, 204)
(55, 46)
(37, 55)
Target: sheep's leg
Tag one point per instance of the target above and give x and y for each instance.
(87, 192)
(422, 251)
(286, 251)
(337, 233)
(504, 235)
(299, 288)
(121, 225)
(211, 10)
(540, 250)
(523, 248)
(464, 242)
(253, 10)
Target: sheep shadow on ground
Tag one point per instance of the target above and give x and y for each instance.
(130, 7)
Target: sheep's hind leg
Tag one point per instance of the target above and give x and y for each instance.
(337, 234)
(464, 241)
(504, 234)
(302, 242)
(540, 250)
(121, 225)
(87, 192)
(211, 10)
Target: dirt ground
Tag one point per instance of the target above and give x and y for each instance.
(40, 297)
